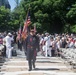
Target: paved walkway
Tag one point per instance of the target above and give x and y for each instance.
(44, 66)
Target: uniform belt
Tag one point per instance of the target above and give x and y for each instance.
(29, 46)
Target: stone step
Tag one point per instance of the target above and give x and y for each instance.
(38, 60)
(39, 57)
(37, 63)
(38, 73)
(42, 63)
(42, 68)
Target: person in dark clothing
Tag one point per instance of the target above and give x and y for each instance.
(31, 46)
(20, 45)
(19, 42)
(64, 43)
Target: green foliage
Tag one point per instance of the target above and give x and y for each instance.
(4, 18)
(72, 13)
(53, 16)
(40, 16)
(48, 13)
(73, 28)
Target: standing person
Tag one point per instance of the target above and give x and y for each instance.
(42, 45)
(4, 44)
(20, 44)
(52, 47)
(58, 45)
(9, 48)
(46, 45)
(31, 45)
(19, 41)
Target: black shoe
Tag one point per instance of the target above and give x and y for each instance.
(29, 69)
(34, 66)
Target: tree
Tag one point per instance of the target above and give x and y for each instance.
(53, 16)
(4, 18)
(71, 16)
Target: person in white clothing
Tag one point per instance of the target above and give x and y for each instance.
(9, 48)
(58, 44)
(46, 39)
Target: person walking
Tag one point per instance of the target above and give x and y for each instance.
(31, 47)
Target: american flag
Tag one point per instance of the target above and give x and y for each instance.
(28, 21)
(26, 24)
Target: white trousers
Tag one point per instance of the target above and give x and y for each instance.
(9, 52)
(45, 49)
(49, 51)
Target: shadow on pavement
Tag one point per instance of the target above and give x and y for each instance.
(47, 62)
(46, 69)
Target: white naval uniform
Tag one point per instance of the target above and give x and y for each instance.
(46, 45)
(9, 48)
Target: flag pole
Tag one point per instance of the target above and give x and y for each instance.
(27, 13)
(26, 24)
(35, 28)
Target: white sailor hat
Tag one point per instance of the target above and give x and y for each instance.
(9, 34)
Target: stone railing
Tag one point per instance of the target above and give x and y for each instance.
(69, 54)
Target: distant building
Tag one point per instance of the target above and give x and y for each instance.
(5, 3)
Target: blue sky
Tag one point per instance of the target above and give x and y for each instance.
(12, 3)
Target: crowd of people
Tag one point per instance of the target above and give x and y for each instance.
(7, 40)
(48, 44)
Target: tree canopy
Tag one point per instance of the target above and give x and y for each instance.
(53, 16)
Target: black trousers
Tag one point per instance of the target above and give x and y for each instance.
(4, 51)
(31, 59)
(19, 45)
(31, 63)
(52, 53)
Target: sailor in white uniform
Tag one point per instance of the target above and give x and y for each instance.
(9, 48)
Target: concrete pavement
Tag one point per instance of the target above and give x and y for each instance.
(44, 66)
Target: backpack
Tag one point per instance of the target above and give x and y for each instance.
(14, 53)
